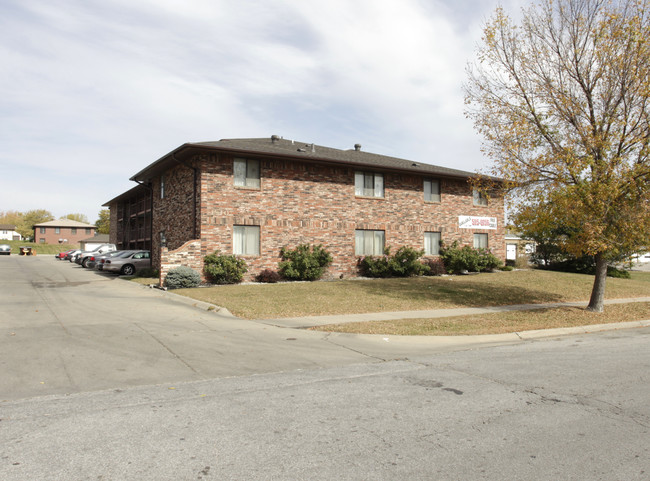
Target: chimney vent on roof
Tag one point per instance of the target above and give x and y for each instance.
(275, 138)
(357, 147)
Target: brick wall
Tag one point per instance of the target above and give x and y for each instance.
(308, 203)
(189, 254)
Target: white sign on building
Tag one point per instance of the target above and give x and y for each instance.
(472, 222)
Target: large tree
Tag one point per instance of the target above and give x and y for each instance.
(103, 223)
(561, 98)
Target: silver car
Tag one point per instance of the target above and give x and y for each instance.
(5, 249)
(129, 264)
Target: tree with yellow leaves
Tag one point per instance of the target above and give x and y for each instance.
(562, 100)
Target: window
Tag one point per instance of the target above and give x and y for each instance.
(369, 242)
(162, 186)
(432, 243)
(431, 190)
(88, 230)
(73, 230)
(42, 241)
(479, 197)
(163, 239)
(141, 255)
(480, 241)
(368, 184)
(57, 230)
(41, 230)
(246, 240)
(247, 173)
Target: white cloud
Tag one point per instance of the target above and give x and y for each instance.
(94, 90)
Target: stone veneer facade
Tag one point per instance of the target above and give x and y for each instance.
(302, 202)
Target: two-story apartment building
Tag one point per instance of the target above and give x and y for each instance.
(62, 231)
(251, 197)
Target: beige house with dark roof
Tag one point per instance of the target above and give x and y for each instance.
(251, 197)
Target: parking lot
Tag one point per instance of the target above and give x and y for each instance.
(69, 329)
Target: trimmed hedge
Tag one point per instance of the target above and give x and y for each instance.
(405, 263)
(468, 259)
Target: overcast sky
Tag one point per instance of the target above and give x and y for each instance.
(95, 90)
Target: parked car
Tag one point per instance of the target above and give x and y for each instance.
(62, 255)
(129, 264)
(82, 257)
(5, 249)
(71, 256)
(97, 262)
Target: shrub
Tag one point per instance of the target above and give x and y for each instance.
(222, 269)
(435, 265)
(405, 263)
(182, 276)
(268, 276)
(467, 258)
(304, 263)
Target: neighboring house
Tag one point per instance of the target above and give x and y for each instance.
(93, 242)
(8, 232)
(251, 197)
(62, 231)
(518, 247)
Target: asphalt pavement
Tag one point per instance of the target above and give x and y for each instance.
(105, 379)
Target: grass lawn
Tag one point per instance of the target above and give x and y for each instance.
(497, 323)
(268, 301)
(41, 249)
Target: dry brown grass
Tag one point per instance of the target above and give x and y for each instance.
(497, 323)
(268, 301)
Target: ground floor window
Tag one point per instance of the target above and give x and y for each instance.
(246, 240)
(369, 242)
(480, 241)
(432, 243)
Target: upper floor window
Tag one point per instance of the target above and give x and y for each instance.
(88, 230)
(432, 243)
(369, 242)
(431, 190)
(41, 230)
(246, 240)
(73, 231)
(247, 172)
(57, 230)
(479, 197)
(368, 184)
(162, 186)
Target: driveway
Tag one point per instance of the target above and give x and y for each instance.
(66, 329)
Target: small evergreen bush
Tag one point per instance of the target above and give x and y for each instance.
(223, 269)
(405, 263)
(304, 263)
(182, 276)
(268, 276)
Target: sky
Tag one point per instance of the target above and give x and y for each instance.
(93, 91)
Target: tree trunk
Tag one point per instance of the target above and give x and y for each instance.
(597, 301)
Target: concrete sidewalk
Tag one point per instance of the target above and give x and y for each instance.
(313, 321)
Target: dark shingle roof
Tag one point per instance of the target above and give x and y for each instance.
(283, 148)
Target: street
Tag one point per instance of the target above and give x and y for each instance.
(102, 379)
